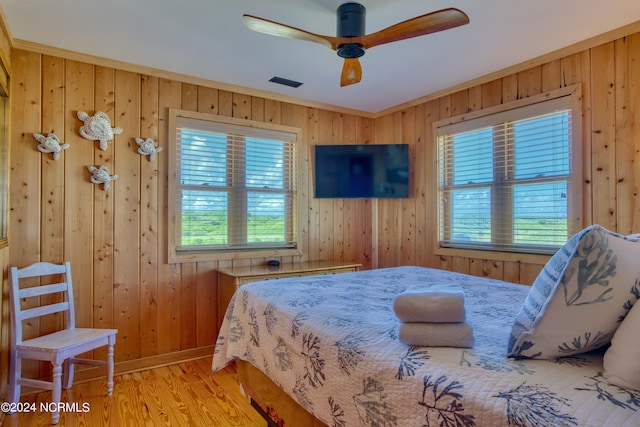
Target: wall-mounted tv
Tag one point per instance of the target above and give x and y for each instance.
(362, 170)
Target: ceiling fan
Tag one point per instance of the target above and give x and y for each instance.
(351, 42)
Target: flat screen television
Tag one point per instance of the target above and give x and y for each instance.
(362, 170)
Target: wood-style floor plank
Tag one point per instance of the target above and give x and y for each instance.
(185, 394)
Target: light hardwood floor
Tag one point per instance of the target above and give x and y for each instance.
(185, 394)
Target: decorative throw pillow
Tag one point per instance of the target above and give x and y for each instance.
(579, 298)
(621, 359)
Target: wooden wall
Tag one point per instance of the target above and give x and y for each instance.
(609, 74)
(116, 239)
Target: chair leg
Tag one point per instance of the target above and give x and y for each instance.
(56, 392)
(15, 372)
(109, 368)
(67, 373)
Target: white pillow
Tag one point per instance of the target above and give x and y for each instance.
(579, 298)
(621, 365)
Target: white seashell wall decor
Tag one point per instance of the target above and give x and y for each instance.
(102, 176)
(148, 148)
(97, 128)
(50, 144)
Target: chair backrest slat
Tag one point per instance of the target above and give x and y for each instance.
(44, 310)
(37, 291)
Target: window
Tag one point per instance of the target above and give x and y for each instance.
(509, 180)
(233, 190)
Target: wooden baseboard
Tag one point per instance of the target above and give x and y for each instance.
(130, 366)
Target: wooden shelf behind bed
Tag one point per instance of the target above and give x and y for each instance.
(230, 279)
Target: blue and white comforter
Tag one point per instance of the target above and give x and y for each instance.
(330, 342)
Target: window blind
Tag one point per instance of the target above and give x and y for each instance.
(235, 186)
(504, 179)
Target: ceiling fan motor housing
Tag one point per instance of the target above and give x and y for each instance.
(351, 23)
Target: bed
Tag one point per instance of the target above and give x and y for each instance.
(330, 343)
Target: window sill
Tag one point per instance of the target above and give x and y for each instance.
(494, 255)
(183, 257)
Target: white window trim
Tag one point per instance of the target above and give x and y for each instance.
(175, 256)
(576, 190)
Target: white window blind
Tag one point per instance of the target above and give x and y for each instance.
(234, 186)
(505, 179)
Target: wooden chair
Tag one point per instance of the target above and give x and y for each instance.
(59, 347)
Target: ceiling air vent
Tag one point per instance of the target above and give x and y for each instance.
(286, 82)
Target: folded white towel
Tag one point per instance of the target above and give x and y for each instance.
(437, 334)
(436, 303)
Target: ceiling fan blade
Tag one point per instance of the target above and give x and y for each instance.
(351, 72)
(273, 28)
(419, 26)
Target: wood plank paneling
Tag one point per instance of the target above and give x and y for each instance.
(126, 224)
(103, 208)
(313, 138)
(52, 217)
(408, 214)
(530, 82)
(168, 298)
(25, 160)
(206, 308)
(387, 235)
(627, 51)
(295, 116)
(5, 150)
(53, 121)
(4, 317)
(576, 69)
(325, 206)
(149, 219)
(491, 94)
(365, 209)
(551, 76)
(79, 211)
(603, 153)
(24, 176)
(188, 301)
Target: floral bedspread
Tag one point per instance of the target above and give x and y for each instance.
(330, 342)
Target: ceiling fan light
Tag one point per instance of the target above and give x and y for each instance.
(350, 50)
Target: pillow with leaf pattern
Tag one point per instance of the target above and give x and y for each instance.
(620, 361)
(579, 298)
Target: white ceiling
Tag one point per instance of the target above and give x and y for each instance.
(206, 39)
